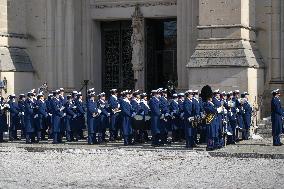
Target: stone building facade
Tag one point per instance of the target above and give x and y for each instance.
(229, 44)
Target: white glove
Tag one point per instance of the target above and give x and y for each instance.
(36, 116)
(64, 115)
(225, 111)
(167, 114)
(133, 114)
(219, 110)
(99, 111)
(49, 114)
(118, 106)
(108, 114)
(237, 109)
(23, 113)
(62, 108)
(74, 107)
(20, 113)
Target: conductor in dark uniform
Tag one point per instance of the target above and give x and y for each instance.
(276, 117)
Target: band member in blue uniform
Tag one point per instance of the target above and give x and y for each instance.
(247, 113)
(174, 109)
(232, 119)
(14, 117)
(211, 119)
(3, 118)
(114, 114)
(135, 103)
(164, 123)
(92, 119)
(29, 118)
(146, 115)
(80, 119)
(21, 104)
(127, 113)
(277, 114)
(197, 110)
(103, 118)
(70, 117)
(188, 119)
(40, 117)
(154, 105)
(49, 111)
(63, 120)
(218, 103)
(181, 117)
(57, 114)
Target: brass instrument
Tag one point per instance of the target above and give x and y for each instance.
(209, 118)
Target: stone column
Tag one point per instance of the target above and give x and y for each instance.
(137, 40)
(276, 66)
(59, 41)
(50, 65)
(187, 21)
(69, 45)
(226, 55)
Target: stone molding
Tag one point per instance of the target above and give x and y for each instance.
(14, 35)
(126, 4)
(226, 26)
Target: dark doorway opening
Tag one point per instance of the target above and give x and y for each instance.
(161, 52)
(116, 55)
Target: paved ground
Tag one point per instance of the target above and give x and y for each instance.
(250, 164)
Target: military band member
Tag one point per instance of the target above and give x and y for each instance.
(49, 111)
(188, 119)
(154, 105)
(197, 110)
(135, 103)
(3, 118)
(164, 123)
(232, 118)
(277, 115)
(247, 113)
(29, 118)
(40, 117)
(181, 118)
(14, 117)
(57, 114)
(146, 114)
(211, 119)
(80, 119)
(21, 104)
(63, 120)
(127, 113)
(114, 114)
(70, 110)
(92, 119)
(103, 118)
(174, 108)
(218, 104)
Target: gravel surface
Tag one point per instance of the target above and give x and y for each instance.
(130, 168)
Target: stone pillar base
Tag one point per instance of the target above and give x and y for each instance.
(227, 65)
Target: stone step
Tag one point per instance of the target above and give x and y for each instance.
(263, 126)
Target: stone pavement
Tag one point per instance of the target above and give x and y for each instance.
(244, 149)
